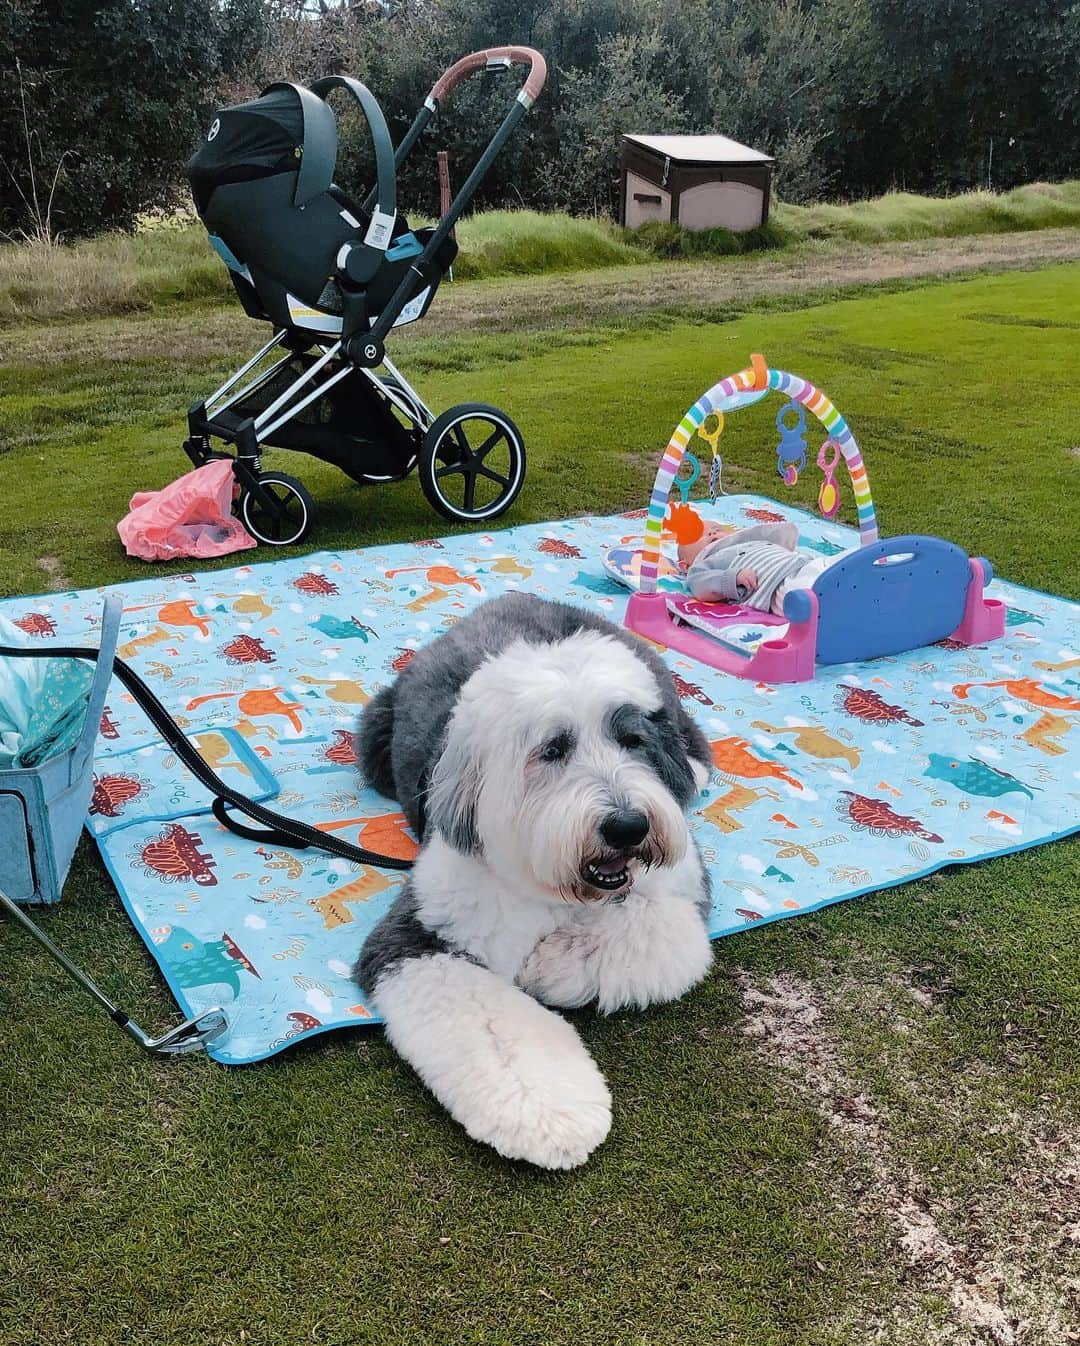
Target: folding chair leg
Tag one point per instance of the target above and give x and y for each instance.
(192, 1035)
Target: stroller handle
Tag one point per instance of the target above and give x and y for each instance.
(494, 56)
(364, 345)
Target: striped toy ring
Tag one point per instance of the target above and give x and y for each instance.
(738, 390)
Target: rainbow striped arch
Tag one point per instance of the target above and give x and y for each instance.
(739, 390)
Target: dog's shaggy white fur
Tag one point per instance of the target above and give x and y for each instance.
(547, 764)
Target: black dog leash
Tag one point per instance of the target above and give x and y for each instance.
(276, 828)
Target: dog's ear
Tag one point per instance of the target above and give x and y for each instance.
(454, 792)
(698, 751)
(680, 753)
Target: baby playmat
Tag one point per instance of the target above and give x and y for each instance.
(867, 776)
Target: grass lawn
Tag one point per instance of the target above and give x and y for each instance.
(168, 259)
(862, 1128)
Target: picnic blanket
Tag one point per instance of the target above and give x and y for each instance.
(867, 777)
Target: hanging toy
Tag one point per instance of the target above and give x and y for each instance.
(684, 520)
(685, 523)
(828, 501)
(716, 486)
(684, 483)
(712, 438)
(791, 451)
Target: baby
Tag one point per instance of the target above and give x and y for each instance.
(755, 566)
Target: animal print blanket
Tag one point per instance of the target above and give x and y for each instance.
(866, 777)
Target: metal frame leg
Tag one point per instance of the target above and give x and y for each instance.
(192, 1035)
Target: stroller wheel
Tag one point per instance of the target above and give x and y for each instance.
(287, 518)
(472, 464)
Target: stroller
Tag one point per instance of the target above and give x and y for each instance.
(334, 274)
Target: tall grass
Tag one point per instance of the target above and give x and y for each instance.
(114, 273)
(171, 263)
(526, 242)
(901, 215)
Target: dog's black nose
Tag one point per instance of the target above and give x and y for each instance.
(624, 828)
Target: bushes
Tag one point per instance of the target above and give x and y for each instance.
(854, 96)
(848, 95)
(106, 99)
(672, 240)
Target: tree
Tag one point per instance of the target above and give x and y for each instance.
(117, 93)
(947, 94)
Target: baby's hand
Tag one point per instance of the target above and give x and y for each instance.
(747, 579)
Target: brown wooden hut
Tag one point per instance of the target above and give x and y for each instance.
(700, 182)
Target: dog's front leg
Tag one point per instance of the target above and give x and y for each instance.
(514, 1074)
(651, 948)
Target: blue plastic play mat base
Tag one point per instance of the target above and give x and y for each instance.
(869, 776)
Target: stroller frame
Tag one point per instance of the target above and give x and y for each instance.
(314, 351)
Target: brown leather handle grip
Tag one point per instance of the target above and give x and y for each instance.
(480, 60)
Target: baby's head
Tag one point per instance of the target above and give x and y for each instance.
(710, 532)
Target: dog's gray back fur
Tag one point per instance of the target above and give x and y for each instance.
(402, 729)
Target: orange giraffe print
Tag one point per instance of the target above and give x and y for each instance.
(385, 834)
(735, 799)
(180, 612)
(261, 701)
(426, 600)
(1023, 689)
(132, 647)
(1045, 732)
(332, 905)
(446, 576)
(733, 756)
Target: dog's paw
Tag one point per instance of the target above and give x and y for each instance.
(661, 950)
(649, 950)
(561, 970)
(515, 1075)
(550, 1113)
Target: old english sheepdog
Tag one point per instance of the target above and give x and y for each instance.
(545, 761)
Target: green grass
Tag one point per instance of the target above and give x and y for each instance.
(527, 242)
(902, 215)
(323, 1196)
(170, 262)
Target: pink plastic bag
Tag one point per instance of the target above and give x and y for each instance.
(189, 517)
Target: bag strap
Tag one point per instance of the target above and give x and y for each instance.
(277, 828)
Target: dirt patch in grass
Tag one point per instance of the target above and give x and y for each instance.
(582, 298)
(1014, 1279)
(615, 296)
(55, 579)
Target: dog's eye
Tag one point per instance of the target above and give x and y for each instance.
(631, 741)
(557, 750)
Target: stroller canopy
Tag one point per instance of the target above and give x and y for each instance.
(283, 131)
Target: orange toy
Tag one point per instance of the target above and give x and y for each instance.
(685, 523)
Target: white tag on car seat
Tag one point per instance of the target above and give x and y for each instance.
(380, 230)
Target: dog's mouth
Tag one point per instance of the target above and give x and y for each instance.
(608, 875)
(612, 874)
